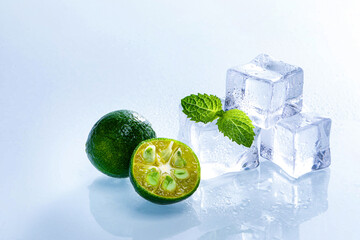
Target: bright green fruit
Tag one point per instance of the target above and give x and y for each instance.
(113, 139)
(164, 171)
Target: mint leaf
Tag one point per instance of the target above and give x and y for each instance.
(202, 107)
(234, 123)
(237, 126)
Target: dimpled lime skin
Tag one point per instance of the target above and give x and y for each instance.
(113, 139)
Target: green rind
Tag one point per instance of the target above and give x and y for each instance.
(150, 196)
(112, 140)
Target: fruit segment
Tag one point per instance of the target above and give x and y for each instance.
(166, 153)
(153, 177)
(168, 184)
(149, 154)
(178, 161)
(181, 173)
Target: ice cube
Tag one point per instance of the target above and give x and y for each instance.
(217, 154)
(266, 89)
(298, 144)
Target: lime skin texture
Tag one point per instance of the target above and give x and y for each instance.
(150, 193)
(113, 139)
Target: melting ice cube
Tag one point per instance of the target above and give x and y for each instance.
(217, 154)
(298, 144)
(266, 89)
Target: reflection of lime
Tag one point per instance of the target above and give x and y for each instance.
(125, 215)
(164, 171)
(113, 138)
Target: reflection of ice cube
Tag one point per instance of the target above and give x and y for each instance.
(234, 232)
(228, 199)
(298, 144)
(292, 201)
(260, 204)
(225, 194)
(266, 89)
(217, 154)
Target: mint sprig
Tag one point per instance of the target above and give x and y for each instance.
(237, 126)
(234, 123)
(202, 107)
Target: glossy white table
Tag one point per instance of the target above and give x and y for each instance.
(65, 64)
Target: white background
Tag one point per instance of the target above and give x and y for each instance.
(64, 64)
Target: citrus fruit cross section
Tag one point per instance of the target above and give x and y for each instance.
(164, 170)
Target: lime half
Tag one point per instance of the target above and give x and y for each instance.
(164, 171)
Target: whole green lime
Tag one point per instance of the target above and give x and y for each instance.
(113, 139)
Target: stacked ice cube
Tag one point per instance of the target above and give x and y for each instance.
(270, 93)
(266, 89)
(217, 153)
(298, 144)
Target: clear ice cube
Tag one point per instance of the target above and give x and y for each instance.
(266, 89)
(298, 144)
(217, 154)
